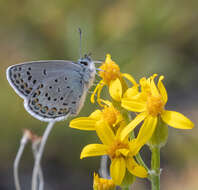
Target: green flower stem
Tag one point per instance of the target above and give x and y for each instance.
(155, 168)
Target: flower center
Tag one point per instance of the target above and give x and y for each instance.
(109, 70)
(155, 105)
(110, 115)
(114, 148)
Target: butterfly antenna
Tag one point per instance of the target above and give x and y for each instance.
(80, 48)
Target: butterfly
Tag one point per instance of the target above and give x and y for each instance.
(55, 89)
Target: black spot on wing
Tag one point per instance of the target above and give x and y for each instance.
(21, 79)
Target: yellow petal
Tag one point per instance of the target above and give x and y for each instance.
(154, 89)
(123, 151)
(134, 146)
(162, 90)
(119, 119)
(177, 120)
(83, 123)
(134, 105)
(122, 125)
(107, 102)
(93, 150)
(145, 84)
(115, 89)
(131, 92)
(95, 91)
(98, 94)
(136, 169)
(130, 78)
(117, 170)
(108, 58)
(131, 126)
(146, 130)
(104, 132)
(96, 115)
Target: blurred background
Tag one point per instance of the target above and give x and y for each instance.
(143, 37)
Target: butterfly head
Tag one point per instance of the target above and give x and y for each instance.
(89, 67)
(87, 63)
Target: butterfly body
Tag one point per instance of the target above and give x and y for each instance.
(52, 90)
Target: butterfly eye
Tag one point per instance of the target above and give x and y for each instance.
(84, 63)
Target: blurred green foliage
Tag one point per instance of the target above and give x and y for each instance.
(143, 37)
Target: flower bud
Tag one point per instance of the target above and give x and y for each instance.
(102, 183)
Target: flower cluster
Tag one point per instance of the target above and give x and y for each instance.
(114, 127)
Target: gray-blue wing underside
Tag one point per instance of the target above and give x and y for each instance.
(51, 90)
(26, 76)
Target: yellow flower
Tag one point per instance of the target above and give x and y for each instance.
(121, 153)
(108, 114)
(150, 103)
(102, 183)
(112, 77)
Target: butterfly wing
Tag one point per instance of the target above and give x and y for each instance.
(25, 77)
(52, 90)
(57, 98)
